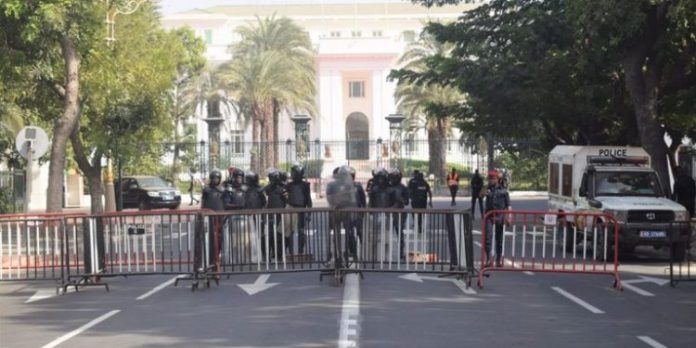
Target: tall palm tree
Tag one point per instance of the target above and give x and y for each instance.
(272, 70)
(426, 104)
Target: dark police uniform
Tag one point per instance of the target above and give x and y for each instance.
(277, 198)
(420, 191)
(497, 198)
(299, 196)
(212, 198)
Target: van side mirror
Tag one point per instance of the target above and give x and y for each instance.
(595, 203)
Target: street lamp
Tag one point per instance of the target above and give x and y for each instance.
(204, 170)
(124, 8)
(395, 133)
(301, 136)
(214, 119)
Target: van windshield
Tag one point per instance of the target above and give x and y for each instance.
(627, 184)
(152, 182)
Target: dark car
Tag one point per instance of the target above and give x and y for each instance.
(147, 192)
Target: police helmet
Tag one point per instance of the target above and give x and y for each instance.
(215, 176)
(273, 175)
(252, 179)
(381, 176)
(297, 172)
(394, 176)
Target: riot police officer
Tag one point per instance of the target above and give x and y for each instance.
(357, 218)
(211, 198)
(379, 193)
(234, 190)
(401, 197)
(254, 198)
(419, 190)
(277, 198)
(340, 194)
(497, 198)
(371, 182)
(299, 196)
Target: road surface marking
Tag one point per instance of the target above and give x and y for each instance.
(157, 289)
(350, 313)
(651, 342)
(577, 300)
(258, 286)
(81, 329)
(637, 290)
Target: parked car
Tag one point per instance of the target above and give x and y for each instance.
(147, 192)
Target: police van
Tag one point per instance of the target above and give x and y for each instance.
(618, 181)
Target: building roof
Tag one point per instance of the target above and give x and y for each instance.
(334, 9)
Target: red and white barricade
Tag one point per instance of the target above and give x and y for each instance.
(543, 241)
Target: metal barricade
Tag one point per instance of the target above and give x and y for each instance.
(333, 242)
(31, 247)
(129, 243)
(682, 248)
(543, 241)
(407, 240)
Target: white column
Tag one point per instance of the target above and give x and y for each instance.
(377, 122)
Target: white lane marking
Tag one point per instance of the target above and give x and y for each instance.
(637, 290)
(577, 300)
(81, 329)
(350, 312)
(258, 286)
(156, 289)
(651, 342)
(415, 277)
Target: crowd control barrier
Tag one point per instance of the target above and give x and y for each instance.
(682, 249)
(333, 242)
(557, 242)
(202, 246)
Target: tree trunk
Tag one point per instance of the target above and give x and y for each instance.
(276, 132)
(254, 157)
(437, 151)
(91, 170)
(63, 126)
(642, 87)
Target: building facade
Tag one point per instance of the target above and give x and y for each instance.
(357, 46)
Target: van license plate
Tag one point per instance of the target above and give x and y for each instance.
(653, 234)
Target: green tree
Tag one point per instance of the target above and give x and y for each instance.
(586, 72)
(53, 38)
(185, 96)
(126, 107)
(428, 104)
(273, 70)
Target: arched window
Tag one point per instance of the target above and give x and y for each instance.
(357, 137)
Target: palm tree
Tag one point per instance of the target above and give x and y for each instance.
(426, 104)
(272, 70)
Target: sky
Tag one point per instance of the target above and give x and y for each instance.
(174, 6)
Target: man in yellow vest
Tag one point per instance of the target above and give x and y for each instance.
(453, 183)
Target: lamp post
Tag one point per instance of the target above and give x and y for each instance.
(395, 134)
(378, 153)
(214, 119)
(317, 149)
(288, 144)
(201, 157)
(301, 136)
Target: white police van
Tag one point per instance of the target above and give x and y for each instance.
(618, 181)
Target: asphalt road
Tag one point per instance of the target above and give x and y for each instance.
(382, 310)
